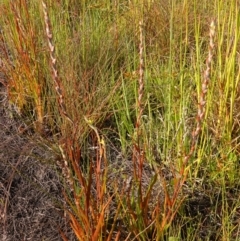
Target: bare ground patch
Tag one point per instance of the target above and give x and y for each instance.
(30, 189)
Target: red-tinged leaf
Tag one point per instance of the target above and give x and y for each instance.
(63, 235)
(113, 225)
(118, 236)
(146, 199)
(78, 230)
(88, 193)
(100, 221)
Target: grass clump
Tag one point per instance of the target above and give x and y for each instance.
(139, 101)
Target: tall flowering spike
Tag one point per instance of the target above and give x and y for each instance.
(57, 84)
(141, 77)
(138, 154)
(202, 100)
(55, 77)
(206, 79)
